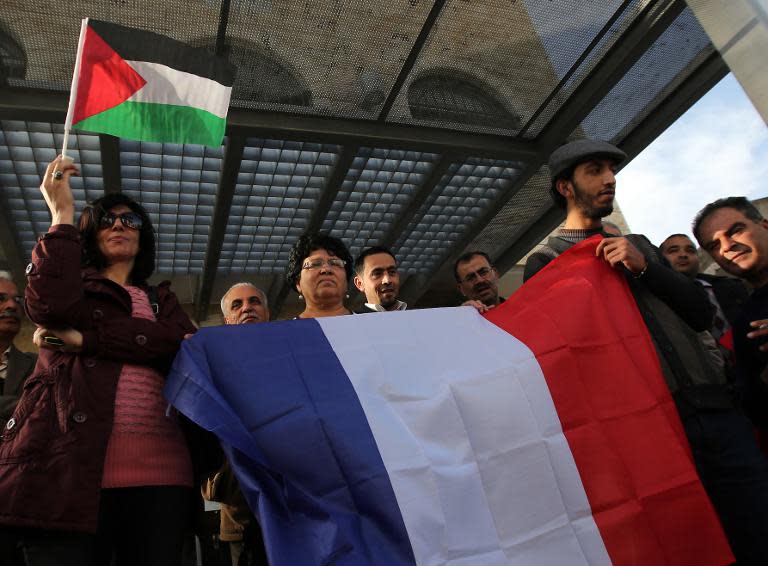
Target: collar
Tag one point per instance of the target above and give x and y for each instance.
(6, 354)
(575, 235)
(703, 282)
(400, 306)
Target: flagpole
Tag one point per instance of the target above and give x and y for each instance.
(73, 90)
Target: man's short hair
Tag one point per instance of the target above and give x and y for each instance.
(360, 261)
(6, 275)
(242, 284)
(566, 175)
(742, 204)
(464, 258)
(668, 238)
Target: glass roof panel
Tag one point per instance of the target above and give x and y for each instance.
(277, 189)
(377, 189)
(463, 195)
(670, 59)
(177, 185)
(26, 148)
(494, 63)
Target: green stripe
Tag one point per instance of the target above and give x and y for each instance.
(157, 123)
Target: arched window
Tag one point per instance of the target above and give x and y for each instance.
(262, 76)
(448, 96)
(13, 60)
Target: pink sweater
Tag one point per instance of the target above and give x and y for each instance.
(146, 447)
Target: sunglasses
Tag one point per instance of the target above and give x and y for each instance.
(127, 219)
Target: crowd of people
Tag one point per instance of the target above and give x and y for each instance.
(95, 468)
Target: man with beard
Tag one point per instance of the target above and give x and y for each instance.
(477, 280)
(243, 303)
(675, 309)
(378, 278)
(15, 367)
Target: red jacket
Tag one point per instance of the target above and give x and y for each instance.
(52, 449)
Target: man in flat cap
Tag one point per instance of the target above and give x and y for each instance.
(732, 469)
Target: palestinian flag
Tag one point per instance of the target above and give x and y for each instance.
(144, 86)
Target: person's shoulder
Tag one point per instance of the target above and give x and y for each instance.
(364, 309)
(536, 262)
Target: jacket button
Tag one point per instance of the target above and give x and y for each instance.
(90, 362)
(10, 424)
(141, 339)
(98, 314)
(30, 268)
(79, 417)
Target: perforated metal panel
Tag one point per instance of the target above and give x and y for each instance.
(670, 59)
(377, 189)
(277, 189)
(26, 148)
(462, 196)
(177, 186)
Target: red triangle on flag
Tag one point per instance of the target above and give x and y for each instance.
(105, 79)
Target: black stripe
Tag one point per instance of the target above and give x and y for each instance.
(140, 45)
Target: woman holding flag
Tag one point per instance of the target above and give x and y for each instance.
(92, 464)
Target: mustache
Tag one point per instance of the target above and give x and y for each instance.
(8, 313)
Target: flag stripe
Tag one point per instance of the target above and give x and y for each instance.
(307, 440)
(471, 444)
(158, 123)
(170, 86)
(140, 45)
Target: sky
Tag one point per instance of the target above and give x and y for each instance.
(718, 148)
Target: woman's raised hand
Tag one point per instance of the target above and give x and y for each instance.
(57, 192)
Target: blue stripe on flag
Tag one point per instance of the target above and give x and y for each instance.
(343, 507)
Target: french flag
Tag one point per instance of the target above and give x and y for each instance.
(540, 434)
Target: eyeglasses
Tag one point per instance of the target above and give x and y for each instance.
(482, 272)
(319, 263)
(127, 219)
(18, 299)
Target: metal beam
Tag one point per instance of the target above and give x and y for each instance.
(422, 194)
(623, 54)
(640, 35)
(413, 56)
(321, 211)
(110, 163)
(575, 67)
(706, 75)
(221, 35)
(47, 106)
(233, 156)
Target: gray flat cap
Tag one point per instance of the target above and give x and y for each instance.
(578, 151)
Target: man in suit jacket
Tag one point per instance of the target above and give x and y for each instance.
(15, 367)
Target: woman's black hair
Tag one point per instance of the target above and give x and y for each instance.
(308, 243)
(89, 223)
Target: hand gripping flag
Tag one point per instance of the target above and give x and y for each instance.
(542, 434)
(144, 86)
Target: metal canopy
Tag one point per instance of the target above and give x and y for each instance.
(424, 126)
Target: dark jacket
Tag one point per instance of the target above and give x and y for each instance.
(730, 293)
(52, 449)
(20, 365)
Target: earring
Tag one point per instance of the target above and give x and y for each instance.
(346, 296)
(301, 297)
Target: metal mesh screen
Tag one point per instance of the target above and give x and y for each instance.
(277, 189)
(676, 53)
(26, 148)
(463, 195)
(376, 191)
(177, 186)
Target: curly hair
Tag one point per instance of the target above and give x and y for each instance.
(308, 243)
(89, 222)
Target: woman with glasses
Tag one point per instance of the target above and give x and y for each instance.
(319, 270)
(92, 462)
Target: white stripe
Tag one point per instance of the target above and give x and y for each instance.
(470, 437)
(169, 86)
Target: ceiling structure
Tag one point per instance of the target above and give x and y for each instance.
(420, 125)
